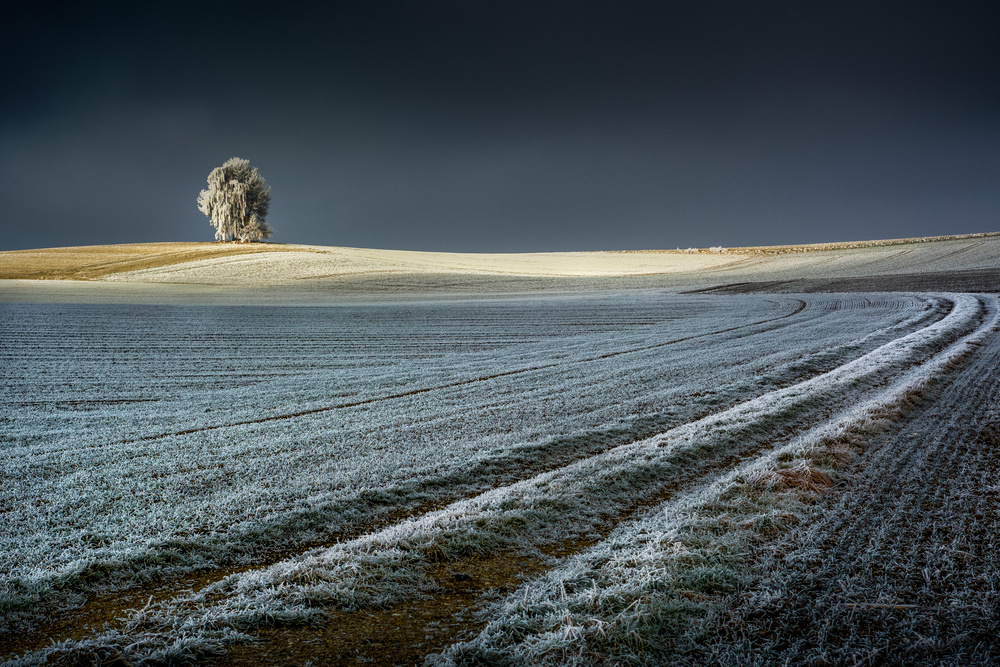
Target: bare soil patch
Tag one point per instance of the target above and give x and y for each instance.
(400, 635)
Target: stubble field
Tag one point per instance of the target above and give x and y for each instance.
(625, 477)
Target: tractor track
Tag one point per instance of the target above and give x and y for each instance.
(901, 565)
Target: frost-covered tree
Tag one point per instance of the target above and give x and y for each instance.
(236, 202)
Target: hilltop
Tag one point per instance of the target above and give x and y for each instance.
(279, 273)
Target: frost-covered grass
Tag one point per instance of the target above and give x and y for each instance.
(132, 441)
(631, 598)
(622, 400)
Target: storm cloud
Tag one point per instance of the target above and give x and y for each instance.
(488, 126)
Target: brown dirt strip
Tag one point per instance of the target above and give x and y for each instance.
(106, 609)
(972, 280)
(400, 635)
(91, 262)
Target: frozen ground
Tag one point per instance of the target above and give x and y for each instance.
(136, 437)
(736, 478)
(142, 442)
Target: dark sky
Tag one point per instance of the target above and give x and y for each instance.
(480, 125)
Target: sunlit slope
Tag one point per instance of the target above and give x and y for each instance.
(90, 262)
(319, 263)
(307, 273)
(210, 263)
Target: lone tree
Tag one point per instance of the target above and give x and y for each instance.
(236, 202)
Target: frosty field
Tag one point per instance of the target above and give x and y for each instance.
(685, 471)
(283, 448)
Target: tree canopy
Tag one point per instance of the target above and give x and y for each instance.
(236, 202)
